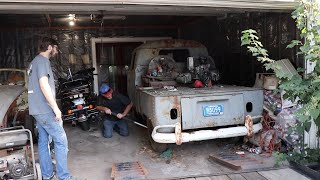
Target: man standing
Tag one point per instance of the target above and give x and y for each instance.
(115, 106)
(43, 107)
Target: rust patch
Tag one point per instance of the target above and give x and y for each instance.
(210, 124)
(178, 134)
(176, 105)
(164, 99)
(249, 125)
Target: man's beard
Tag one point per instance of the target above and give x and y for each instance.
(52, 53)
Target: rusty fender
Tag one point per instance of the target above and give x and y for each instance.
(180, 137)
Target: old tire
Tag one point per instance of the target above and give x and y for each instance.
(157, 147)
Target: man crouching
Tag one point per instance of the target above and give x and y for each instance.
(115, 106)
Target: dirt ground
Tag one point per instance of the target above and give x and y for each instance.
(91, 155)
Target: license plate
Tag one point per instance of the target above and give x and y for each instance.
(214, 110)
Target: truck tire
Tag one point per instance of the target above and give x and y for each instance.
(157, 147)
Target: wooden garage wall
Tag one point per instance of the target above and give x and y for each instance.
(19, 46)
(222, 37)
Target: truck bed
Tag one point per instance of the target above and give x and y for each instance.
(187, 91)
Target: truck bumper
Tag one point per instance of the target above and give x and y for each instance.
(179, 137)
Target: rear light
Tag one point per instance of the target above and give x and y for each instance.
(90, 106)
(79, 107)
(69, 112)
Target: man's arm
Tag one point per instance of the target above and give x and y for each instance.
(104, 109)
(46, 90)
(126, 111)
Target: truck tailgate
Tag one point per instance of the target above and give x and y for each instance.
(212, 111)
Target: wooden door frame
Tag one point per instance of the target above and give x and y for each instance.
(94, 41)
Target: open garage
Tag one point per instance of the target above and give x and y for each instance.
(100, 37)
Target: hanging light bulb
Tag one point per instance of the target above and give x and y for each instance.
(71, 16)
(72, 23)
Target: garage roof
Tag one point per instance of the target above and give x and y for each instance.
(140, 7)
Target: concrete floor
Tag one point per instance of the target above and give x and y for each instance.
(91, 155)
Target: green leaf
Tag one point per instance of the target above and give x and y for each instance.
(315, 81)
(317, 121)
(260, 44)
(245, 42)
(293, 43)
(307, 126)
(314, 113)
(304, 30)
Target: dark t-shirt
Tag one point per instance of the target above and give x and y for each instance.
(38, 68)
(117, 104)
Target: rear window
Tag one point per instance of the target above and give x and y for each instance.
(179, 55)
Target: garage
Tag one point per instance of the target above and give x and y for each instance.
(104, 34)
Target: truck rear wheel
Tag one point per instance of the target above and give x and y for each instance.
(158, 147)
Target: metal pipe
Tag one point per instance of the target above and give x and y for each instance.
(127, 119)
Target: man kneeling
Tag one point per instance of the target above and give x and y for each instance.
(115, 106)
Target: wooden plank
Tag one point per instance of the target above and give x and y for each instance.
(236, 177)
(225, 162)
(223, 177)
(283, 174)
(253, 175)
(113, 171)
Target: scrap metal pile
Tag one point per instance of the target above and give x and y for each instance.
(279, 122)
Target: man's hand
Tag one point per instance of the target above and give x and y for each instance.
(58, 114)
(120, 115)
(107, 111)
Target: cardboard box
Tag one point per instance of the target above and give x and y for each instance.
(267, 81)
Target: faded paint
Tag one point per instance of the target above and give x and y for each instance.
(156, 103)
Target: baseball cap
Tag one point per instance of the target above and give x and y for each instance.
(105, 90)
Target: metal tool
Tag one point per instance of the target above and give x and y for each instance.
(127, 119)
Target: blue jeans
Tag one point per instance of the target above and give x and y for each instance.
(120, 125)
(47, 125)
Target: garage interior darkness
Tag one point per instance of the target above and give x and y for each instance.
(216, 26)
(219, 32)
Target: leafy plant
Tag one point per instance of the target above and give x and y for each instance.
(280, 157)
(305, 89)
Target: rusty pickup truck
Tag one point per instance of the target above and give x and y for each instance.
(173, 85)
